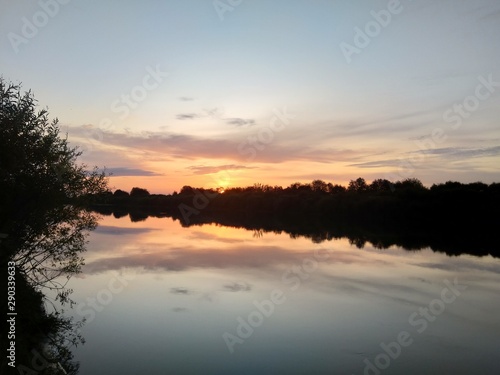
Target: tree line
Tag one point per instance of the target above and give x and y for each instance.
(403, 208)
(450, 217)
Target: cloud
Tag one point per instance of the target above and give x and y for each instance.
(214, 112)
(238, 287)
(182, 291)
(293, 145)
(206, 169)
(208, 112)
(113, 230)
(446, 152)
(124, 171)
(242, 256)
(212, 237)
(179, 309)
(187, 116)
(154, 257)
(493, 16)
(185, 98)
(378, 164)
(461, 265)
(240, 122)
(461, 152)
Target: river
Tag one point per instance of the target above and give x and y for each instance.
(160, 298)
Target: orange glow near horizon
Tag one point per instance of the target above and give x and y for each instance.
(261, 173)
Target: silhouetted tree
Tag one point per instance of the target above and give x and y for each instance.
(187, 190)
(336, 189)
(413, 184)
(319, 186)
(137, 192)
(43, 221)
(295, 186)
(494, 188)
(381, 185)
(359, 185)
(477, 187)
(39, 176)
(120, 193)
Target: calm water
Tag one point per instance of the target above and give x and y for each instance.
(163, 299)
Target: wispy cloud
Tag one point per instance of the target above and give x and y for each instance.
(185, 98)
(212, 237)
(187, 116)
(290, 147)
(214, 112)
(182, 291)
(124, 171)
(206, 169)
(113, 230)
(378, 163)
(154, 257)
(179, 309)
(240, 121)
(461, 152)
(454, 153)
(493, 16)
(238, 287)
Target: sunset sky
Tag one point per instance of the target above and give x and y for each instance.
(230, 93)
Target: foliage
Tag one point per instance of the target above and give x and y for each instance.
(120, 193)
(42, 189)
(43, 218)
(384, 213)
(138, 192)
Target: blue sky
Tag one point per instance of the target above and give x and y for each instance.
(206, 117)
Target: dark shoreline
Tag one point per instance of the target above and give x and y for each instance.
(452, 218)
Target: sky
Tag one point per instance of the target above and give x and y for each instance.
(232, 92)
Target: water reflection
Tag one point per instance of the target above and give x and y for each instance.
(39, 253)
(188, 287)
(446, 237)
